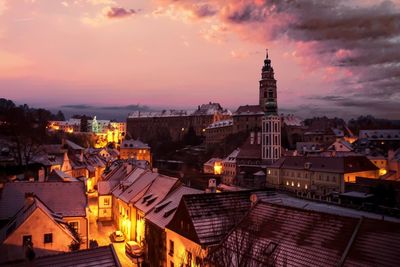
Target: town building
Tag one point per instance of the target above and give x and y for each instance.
(174, 124)
(156, 221)
(216, 132)
(271, 122)
(200, 222)
(66, 201)
(213, 166)
(229, 168)
(135, 149)
(319, 176)
(247, 118)
(34, 229)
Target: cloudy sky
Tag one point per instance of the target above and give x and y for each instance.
(330, 57)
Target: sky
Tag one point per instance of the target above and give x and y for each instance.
(334, 58)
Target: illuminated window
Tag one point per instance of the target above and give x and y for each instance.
(298, 184)
(292, 183)
(305, 186)
(269, 171)
(287, 183)
(171, 249)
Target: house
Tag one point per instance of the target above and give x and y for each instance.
(229, 167)
(34, 228)
(135, 149)
(213, 166)
(100, 257)
(249, 162)
(341, 146)
(202, 221)
(216, 132)
(156, 221)
(65, 199)
(318, 176)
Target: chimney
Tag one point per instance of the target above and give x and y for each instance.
(29, 198)
(212, 185)
(41, 176)
(128, 168)
(253, 199)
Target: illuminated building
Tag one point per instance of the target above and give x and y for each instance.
(271, 122)
(213, 166)
(135, 149)
(319, 176)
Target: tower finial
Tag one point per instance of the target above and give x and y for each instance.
(267, 52)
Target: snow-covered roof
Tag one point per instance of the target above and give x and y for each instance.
(156, 114)
(158, 189)
(68, 199)
(391, 134)
(165, 210)
(231, 158)
(292, 120)
(212, 161)
(131, 143)
(219, 124)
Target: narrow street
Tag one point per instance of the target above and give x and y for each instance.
(101, 232)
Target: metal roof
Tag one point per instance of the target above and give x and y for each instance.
(160, 215)
(68, 199)
(96, 257)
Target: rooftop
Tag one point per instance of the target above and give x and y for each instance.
(96, 257)
(68, 199)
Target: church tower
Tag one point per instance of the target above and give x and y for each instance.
(271, 122)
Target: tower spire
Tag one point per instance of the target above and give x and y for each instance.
(266, 53)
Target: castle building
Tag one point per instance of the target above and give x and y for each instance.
(271, 122)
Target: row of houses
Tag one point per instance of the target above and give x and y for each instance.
(141, 202)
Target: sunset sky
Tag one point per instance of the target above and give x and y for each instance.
(330, 58)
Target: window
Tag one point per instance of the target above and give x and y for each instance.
(48, 238)
(171, 249)
(189, 258)
(26, 240)
(75, 226)
(106, 201)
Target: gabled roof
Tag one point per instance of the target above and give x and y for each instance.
(137, 188)
(68, 199)
(156, 192)
(131, 143)
(277, 235)
(163, 212)
(212, 215)
(289, 236)
(60, 176)
(231, 158)
(96, 257)
(249, 110)
(29, 207)
(73, 146)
